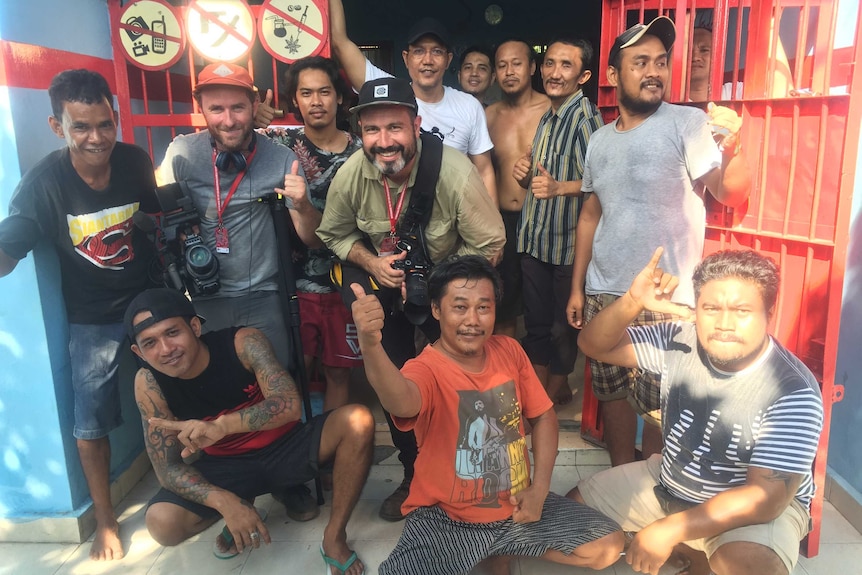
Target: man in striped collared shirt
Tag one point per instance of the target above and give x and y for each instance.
(551, 170)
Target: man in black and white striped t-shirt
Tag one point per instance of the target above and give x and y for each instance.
(741, 419)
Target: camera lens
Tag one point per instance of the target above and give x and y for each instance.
(200, 262)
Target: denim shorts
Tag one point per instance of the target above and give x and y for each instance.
(95, 353)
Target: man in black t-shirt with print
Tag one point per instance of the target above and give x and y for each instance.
(81, 198)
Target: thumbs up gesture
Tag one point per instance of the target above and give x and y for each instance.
(368, 317)
(265, 112)
(544, 185)
(523, 168)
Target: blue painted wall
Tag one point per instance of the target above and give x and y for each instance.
(844, 447)
(39, 469)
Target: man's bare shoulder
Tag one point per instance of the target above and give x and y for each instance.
(493, 111)
(539, 101)
(522, 111)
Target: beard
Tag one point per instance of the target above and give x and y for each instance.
(731, 362)
(637, 105)
(222, 145)
(390, 167)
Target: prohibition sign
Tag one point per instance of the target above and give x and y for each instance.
(221, 30)
(150, 34)
(293, 29)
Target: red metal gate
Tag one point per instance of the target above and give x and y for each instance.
(802, 149)
(157, 105)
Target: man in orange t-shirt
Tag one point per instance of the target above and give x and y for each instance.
(466, 397)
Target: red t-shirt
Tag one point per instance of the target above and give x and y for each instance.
(470, 433)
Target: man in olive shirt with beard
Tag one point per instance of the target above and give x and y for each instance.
(364, 209)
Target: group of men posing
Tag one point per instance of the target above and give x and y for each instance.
(738, 416)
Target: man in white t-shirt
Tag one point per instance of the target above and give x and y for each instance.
(457, 118)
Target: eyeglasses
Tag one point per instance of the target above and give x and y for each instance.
(417, 52)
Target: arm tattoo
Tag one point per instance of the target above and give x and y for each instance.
(163, 448)
(280, 389)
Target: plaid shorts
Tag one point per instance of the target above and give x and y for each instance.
(610, 382)
(433, 544)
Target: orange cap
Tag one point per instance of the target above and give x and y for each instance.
(224, 74)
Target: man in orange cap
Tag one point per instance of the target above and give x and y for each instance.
(225, 170)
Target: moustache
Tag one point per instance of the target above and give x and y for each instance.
(725, 338)
(387, 150)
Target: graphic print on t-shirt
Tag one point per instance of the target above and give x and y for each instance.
(437, 132)
(104, 238)
(489, 462)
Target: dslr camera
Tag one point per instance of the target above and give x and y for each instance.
(416, 267)
(187, 263)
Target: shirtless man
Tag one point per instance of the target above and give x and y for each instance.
(512, 124)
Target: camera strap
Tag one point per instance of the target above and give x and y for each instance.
(418, 211)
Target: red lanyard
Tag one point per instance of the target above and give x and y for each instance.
(393, 213)
(220, 208)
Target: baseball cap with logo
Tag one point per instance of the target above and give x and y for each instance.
(224, 74)
(162, 303)
(662, 27)
(385, 91)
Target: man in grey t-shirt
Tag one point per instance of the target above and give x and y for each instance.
(644, 179)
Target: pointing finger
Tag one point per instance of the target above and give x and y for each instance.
(167, 424)
(656, 256)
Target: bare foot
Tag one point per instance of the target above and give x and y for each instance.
(339, 551)
(106, 544)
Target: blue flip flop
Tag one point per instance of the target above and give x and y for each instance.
(330, 562)
(227, 536)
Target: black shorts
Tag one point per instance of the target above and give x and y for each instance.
(290, 460)
(550, 340)
(512, 303)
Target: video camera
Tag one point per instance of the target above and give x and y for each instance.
(416, 267)
(187, 263)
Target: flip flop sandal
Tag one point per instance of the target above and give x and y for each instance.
(330, 562)
(230, 550)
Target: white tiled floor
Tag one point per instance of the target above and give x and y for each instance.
(294, 550)
(295, 546)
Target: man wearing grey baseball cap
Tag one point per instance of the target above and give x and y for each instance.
(645, 178)
(364, 222)
(224, 395)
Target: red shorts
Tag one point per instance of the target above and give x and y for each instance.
(327, 330)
